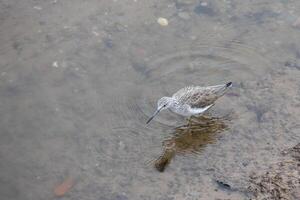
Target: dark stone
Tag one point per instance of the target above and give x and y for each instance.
(140, 68)
(223, 185)
(292, 65)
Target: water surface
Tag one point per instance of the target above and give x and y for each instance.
(79, 79)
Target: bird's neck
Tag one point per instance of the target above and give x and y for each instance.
(172, 101)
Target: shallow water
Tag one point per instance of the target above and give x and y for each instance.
(79, 80)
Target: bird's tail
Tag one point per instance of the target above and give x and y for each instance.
(221, 89)
(229, 84)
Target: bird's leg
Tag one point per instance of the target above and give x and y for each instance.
(205, 116)
(193, 120)
(188, 122)
(182, 127)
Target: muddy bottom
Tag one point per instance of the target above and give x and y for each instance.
(282, 179)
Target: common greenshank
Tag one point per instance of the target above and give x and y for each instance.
(191, 100)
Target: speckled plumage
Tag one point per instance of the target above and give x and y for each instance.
(191, 100)
(199, 97)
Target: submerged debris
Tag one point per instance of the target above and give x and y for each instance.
(64, 187)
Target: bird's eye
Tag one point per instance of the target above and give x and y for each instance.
(165, 105)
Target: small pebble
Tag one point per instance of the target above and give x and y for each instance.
(95, 33)
(37, 7)
(162, 21)
(204, 4)
(55, 64)
(121, 145)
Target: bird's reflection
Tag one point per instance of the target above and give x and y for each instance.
(190, 138)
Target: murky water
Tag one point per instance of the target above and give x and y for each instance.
(79, 80)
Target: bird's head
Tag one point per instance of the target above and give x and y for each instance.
(162, 104)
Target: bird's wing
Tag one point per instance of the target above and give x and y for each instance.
(199, 97)
(184, 94)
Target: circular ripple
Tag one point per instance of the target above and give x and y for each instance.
(131, 138)
(198, 65)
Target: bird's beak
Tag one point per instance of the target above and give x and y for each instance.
(156, 112)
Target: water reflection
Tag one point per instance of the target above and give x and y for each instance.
(190, 138)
